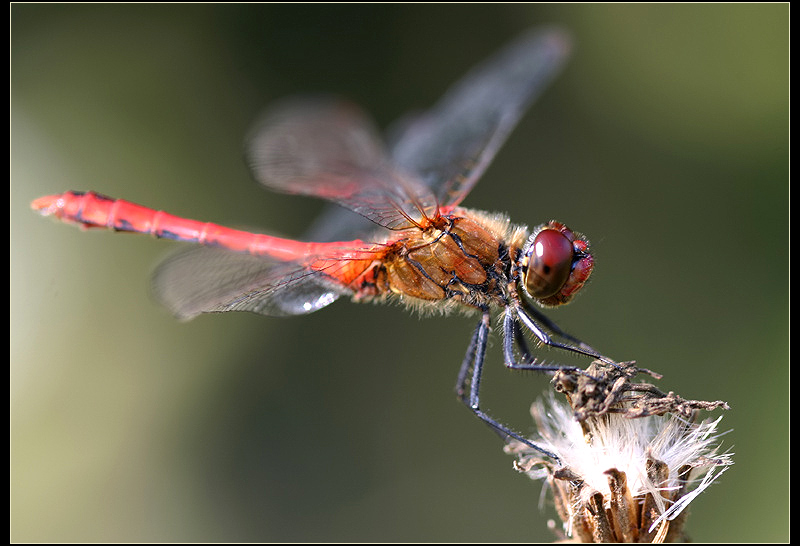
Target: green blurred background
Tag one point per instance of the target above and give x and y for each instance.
(666, 141)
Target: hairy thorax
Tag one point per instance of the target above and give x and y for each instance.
(464, 258)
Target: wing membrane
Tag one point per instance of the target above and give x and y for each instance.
(329, 149)
(207, 280)
(450, 146)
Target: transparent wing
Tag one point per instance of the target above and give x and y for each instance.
(207, 280)
(450, 146)
(329, 149)
(335, 223)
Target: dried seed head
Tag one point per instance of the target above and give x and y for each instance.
(620, 477)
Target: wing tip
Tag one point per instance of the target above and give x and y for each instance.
(557, 39)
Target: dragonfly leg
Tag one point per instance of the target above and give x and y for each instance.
(538, 324)
(470, 372)
(512, 333)
(553, 327)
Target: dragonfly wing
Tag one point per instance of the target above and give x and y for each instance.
(335, 223)
(207, 280)
(328, 148)
(450, 146)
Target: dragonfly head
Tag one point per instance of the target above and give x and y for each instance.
(555, 265)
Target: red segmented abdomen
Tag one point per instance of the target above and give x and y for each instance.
(93, 210)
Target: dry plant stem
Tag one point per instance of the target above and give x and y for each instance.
(622, 506)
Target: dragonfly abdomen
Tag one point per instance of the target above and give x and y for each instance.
(94, 210)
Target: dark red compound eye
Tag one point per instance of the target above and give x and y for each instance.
(549, 263)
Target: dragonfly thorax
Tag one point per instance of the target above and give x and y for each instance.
(461, 258)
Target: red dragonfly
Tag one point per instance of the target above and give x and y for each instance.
(419, 247)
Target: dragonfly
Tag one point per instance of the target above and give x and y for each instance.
(410, 242)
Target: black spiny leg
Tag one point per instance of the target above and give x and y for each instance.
(511, 334)
(533, 324)
(535, 316)
(473, 361)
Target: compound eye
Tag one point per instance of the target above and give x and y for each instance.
(549, 263)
